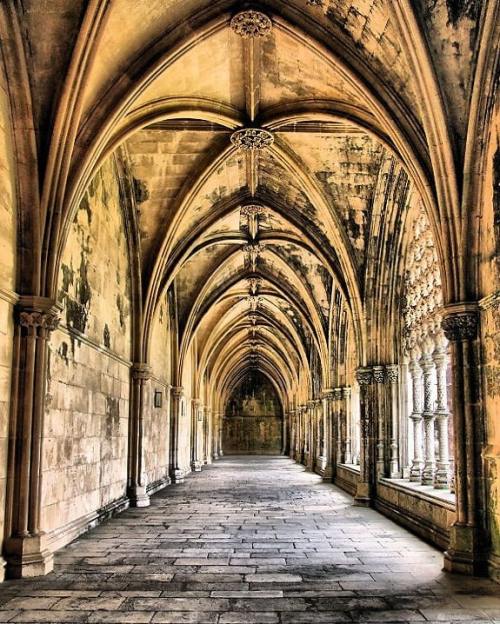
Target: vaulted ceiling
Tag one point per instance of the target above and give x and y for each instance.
(256, 136)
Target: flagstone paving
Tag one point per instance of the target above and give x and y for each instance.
(250, 541)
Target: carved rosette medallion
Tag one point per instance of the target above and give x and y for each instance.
(251, 24)
(252, 139)
(460, 325)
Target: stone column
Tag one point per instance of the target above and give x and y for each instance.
(442, 474)
(137, 481)
(392, 378)
(309, 435)
(364, 490)
(346, 407)
(468, 542)
(416, 417)
(196, 462)
(339, 424)
(427, 365)
(220, 421)
(207, 412)
(293, 433)
(327, 469)
(378, 418)
(25, 549)
(176, 473)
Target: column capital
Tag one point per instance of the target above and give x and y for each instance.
(38, 312)
(461, 321)
(364, 376)
(140, 370)
(379, 374)
(177, 391)
(392, 373)
(327, 393)
(195, 402)
(311, 403)
(337, 394)
(346, 392)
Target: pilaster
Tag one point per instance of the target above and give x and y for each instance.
(25, 549)
(364, 490)
(467, 551)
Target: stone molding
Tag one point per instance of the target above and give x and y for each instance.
(251, 24)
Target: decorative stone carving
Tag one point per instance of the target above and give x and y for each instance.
(318, 3)
(378, 374)
(364, 376)
(254, 302)
(461, 325)
(249, 139)
(250, 24)
(392, 373)
(177, 391)
(48, 320)
(254, 283)
(140, 371)
(253, 210)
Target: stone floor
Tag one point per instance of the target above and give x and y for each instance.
(250, 540)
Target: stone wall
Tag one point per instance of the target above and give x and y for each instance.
(7, 280)
(86, 425)
(157, 419)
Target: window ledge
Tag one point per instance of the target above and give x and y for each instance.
(351, 467)
(426, 492)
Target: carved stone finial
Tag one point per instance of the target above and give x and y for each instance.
(252, 139)
(251, 24)
(460, 325)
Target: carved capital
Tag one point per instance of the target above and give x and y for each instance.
(364, 376)
(249, 139)
(140, 370)
(38, 312)
(195, 402)
(177, 391)
(379, 374)
(251, 24)
(346, 392)
(392, 373)
(337, 394)
(461, 325)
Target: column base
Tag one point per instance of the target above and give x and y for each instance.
(494, 567)
(363, 497)
(428, 474)
(177, 475)
(196, 466)
(442, 478)
(416, 472)
(138, 496)
(27, 557)
(464, 555)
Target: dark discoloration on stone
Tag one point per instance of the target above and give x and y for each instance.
(112, 416)
(106, 337)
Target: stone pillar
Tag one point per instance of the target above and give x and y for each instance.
(207, 413)
(176, 473)
(346, 407)
(25, 549)
(309, 435)
(442, 474)
(427, 365)
(137, 481)
(196, 408)
(378, 418)
(392, 378)
(220, 421)
(364, 489)
(339, 424)
(416, 417)
(302, 435)
(326, 467)
(468, 543)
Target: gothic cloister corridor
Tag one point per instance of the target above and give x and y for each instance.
(251, 540)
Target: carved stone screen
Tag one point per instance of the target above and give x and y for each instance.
(253, 420)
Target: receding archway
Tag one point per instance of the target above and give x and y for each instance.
(253, 418)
